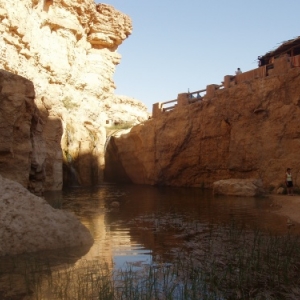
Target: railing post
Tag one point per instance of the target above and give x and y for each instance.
(182, 99)
(156, 109)
(227, 81)
(210, 90)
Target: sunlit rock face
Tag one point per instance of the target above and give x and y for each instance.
(28, 223)
(68, 50)
(250, 130)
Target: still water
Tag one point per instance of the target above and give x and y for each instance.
(139, 224)
(136, 226)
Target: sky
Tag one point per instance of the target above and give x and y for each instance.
(176, 45)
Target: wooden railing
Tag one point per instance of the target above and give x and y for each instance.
(169, 107)
(185, 99)
(196, 96)
(278, 66)
(192, 97)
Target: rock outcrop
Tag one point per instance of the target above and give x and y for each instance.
(238, 187)
(68, 50)
(17, 112)
(250, 130)
(28, 223)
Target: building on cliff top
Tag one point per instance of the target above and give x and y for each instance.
(290, 48)
(274, 62)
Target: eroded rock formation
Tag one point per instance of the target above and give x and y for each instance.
(250, 130)
(22, 146)
(68, 50)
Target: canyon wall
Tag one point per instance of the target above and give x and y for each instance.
(250, 130)
(18, 114)
(68, 50)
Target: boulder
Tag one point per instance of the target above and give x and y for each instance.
(28, 223)
(238, 187)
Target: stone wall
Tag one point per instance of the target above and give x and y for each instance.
(250, 130)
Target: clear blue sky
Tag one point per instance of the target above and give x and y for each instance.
(180, 45)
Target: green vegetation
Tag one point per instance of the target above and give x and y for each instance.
(116, 127)
(69, 104)
(221, 263)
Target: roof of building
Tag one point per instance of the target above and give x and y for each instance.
(283, 48)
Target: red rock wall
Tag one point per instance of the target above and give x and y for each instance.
(250, 130)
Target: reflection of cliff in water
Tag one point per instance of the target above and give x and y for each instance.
(156, 220)
(20, 275)
(141, 225)
(165, 219)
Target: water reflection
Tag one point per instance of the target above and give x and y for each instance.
(138, 224)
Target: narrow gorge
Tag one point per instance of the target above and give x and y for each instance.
(58, 59)
(57, 64)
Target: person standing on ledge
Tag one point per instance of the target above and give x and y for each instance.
(289, 181)
(238, 71)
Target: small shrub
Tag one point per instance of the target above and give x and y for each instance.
(118, 126)
(69, 104)
(125, 125)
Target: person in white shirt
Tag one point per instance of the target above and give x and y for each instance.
(238, 71)
(289, 182)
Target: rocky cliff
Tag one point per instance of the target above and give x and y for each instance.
(250, 130)
(68, 50)
(19, 117)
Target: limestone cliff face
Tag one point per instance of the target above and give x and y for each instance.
(250, 130)
(68, 50)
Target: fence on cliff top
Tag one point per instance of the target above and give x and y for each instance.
(191, 98)
(277, 66)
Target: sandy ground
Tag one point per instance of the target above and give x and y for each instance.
(288, 206)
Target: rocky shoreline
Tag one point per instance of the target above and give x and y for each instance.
(287, 206)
